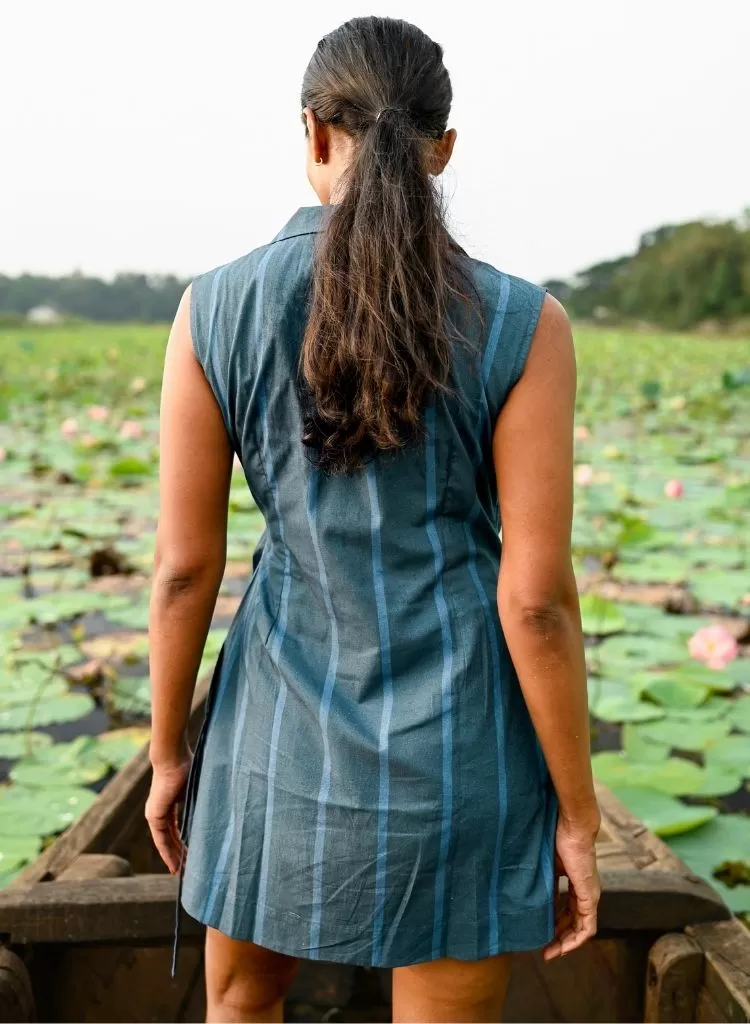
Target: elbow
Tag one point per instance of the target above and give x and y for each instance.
(176, 578)
(542, 615)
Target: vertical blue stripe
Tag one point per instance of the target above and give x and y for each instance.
(279, 628)
(489, 358)
(496, 329)
(378, 579)
(217, 879)
(447, 709)
(325, 705)
(497, 706)
(212, 355)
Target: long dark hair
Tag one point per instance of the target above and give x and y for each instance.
(386, 269)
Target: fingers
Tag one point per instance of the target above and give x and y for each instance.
(167, 843)
(575, 924)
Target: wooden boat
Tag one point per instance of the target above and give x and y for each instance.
(86, 935)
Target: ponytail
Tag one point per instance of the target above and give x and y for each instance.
(378, 338)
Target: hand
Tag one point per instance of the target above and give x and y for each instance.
(167, 789)
(576, 859)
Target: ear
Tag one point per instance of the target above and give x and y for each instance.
(441, 151)
(317, 136)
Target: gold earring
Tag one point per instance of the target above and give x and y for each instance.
(319, 160)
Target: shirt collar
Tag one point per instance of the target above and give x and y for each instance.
(308, 220)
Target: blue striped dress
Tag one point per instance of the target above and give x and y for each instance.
(368, 787)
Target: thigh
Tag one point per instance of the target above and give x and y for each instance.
(451, 990)
(244, 972)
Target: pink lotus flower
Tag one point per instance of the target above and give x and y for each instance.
(98, 413)
(88, 440)
(581, 433)
(69, 427)
(713, 645)
(583, 475)
(674, 489)
(3, 455)
(137, 384)
(131, 430)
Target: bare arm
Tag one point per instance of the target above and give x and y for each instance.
(195, 472)
(537, 594)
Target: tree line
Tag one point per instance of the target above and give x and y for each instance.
(139, 297)
(680, 276)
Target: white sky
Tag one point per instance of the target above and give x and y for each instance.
(160, 136)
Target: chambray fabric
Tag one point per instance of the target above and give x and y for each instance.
(369, 788)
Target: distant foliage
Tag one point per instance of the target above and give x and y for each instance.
(681, 275)
(135, 297)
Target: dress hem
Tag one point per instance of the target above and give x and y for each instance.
(541, 912)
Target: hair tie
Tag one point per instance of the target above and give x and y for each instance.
(398, 110)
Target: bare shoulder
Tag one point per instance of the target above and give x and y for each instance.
(552, 353)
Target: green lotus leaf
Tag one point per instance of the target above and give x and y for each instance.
(730, 752)
(132, 695)
(40, 812)
(673, 775)
(601, 617)
(718, 780)
(661, 813)
(681, 735)
(638, 747)
(77, 763)
(726, 838)
(646, 650)
(22, 744)
(135, 616)
(739, 713)
(16, 851)
(675, 693)
(120, 745)
(721, 588)
(49, 711)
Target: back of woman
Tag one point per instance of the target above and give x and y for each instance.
(369, 787)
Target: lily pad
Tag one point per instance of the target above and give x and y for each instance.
(640, 747)
(739, 713)
(680, 735)
(726, 838)
(600, 617)
(120, 745)
(48, 712)
(40, 812)
(673, 775)
(77, 763)
(22, 744)
(132, 696)
(674, 693)
(730, 752)
(16, 851)
(718, 780)
(661, 813)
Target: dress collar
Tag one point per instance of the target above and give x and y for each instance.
(308, 220)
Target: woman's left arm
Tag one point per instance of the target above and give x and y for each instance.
(194, 476)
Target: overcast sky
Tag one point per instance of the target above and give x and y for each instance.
(165, 136)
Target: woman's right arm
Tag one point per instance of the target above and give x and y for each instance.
(538, 600)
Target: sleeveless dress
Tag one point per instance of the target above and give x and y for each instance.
(368, 787)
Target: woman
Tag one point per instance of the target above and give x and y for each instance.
(371, 787)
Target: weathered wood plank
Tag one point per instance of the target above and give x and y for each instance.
(102, 984)
(142, 907)
(95, 865)
(16, 996)
(674, 977)
(726, 947)
(658, 901)
(136, 909)
(122, 800)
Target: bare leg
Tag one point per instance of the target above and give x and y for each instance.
(470, 991)
(245, 982)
